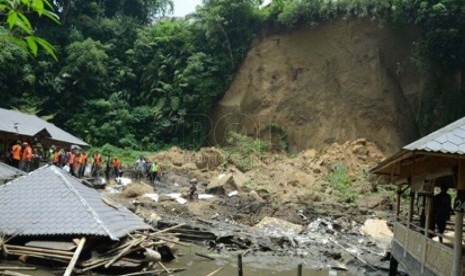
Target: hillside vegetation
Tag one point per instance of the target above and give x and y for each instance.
(128, 76)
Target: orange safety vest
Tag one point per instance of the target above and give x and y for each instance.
(97, 159)
(71, 158)
(16, 152)
(116, 163)
(56, 157)
(27, 154)
(83, 159)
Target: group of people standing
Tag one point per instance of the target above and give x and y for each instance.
(77, 162)
(80, 164)
(151, 170)
(22, 156)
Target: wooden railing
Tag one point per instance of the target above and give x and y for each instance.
(435, 256)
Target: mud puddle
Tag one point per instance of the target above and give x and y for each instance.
(252, 265)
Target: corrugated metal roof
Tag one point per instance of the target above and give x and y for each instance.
(25, 124)
(8, 172)
(449, 139)
(49, 201)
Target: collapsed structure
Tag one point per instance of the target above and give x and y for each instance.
(47, 213)
(8, 173)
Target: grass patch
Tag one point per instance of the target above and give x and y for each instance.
(242, 150)
(340, 181)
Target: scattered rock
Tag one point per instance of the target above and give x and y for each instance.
(277, 227)
(136, 190)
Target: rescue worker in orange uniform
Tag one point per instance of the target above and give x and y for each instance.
(97, 165)
(26, 158)
(116, 164)
(57, 157)
(71, 159)
(82, 164)
(16, 154)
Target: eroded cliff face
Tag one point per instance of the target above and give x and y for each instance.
(332, 83)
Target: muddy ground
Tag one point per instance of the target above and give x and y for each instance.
(286, 207)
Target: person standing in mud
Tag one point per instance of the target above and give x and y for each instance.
(442, 210)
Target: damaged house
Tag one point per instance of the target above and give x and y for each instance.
(48, 214)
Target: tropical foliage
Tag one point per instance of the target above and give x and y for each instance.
(129, 76)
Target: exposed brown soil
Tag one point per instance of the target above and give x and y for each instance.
(332, 83)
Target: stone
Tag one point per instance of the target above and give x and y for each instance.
(221, 185)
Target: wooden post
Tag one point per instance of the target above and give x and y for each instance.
(73, 261)
(399, 191)
(410, 207)
(239, 264)
(429, 202)
(393, 266)
(299, 270)
(458, 208)
(409, 221)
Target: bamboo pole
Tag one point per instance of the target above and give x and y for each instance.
(18, 268)
(12, 273)
(168, 229)
(76, 255)
(36, 249)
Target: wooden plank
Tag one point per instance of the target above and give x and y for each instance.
(12, 273)
(65, 246)
(35, 254)
(427, 165)
(18, 268)
(76, 255)
(35, 249)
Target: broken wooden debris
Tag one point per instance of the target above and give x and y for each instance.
(12, 273)
(76, 255)
(18, 268)
(138, 250)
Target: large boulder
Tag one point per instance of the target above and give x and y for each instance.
(222, 185)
